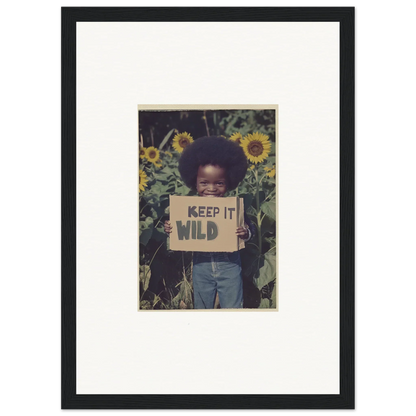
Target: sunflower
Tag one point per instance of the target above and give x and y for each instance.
(181, 140)
(236, 137)
(142, 180)
(158, 163)
(251, 167)
(256, 146)
(142, 152)
(271, 171)
(152, 154)
(168, 153)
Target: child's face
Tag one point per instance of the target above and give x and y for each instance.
(211, 181)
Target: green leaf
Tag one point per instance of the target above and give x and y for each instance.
(264, 304)
(154, 213)
(144, 275)
(274, 299)
(271, 240)
(161, 189)
(182, 190)
(145, 304)
(158, 193)
(271, 160)
(146, 230)
(269, 208)
(267, 272)
(166, 138)
(163, 176)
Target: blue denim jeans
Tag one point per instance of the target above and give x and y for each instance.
(217, 272)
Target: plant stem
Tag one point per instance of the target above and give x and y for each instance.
(143, 207)
(270, 194)
(151, 261)
(206, 122)
(151, 135)
(255, 245)
(159, 220)
(271, 248)
(258, 207)
(183, 267)
(262, 178)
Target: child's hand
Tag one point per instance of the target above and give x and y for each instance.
(168, 227)
(242, 232)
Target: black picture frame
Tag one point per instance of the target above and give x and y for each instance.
(70, 399)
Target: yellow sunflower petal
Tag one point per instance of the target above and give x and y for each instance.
(272, 172)
(236, 137)
(142, 180)
(182, 140)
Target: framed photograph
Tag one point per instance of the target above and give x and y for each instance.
(208, 208)
(176, 147)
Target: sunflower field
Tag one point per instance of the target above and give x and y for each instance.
(165, 276)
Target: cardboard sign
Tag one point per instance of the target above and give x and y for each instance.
(206, 224)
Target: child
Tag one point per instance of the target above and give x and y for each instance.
(211, 166)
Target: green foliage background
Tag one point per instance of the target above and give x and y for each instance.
(165, 276)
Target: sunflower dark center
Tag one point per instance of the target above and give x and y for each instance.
(183, 142)
(152, 154)
(255, 148)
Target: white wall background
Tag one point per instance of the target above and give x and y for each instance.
(303, 78)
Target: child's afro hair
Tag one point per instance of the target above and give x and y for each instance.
(213, 150)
